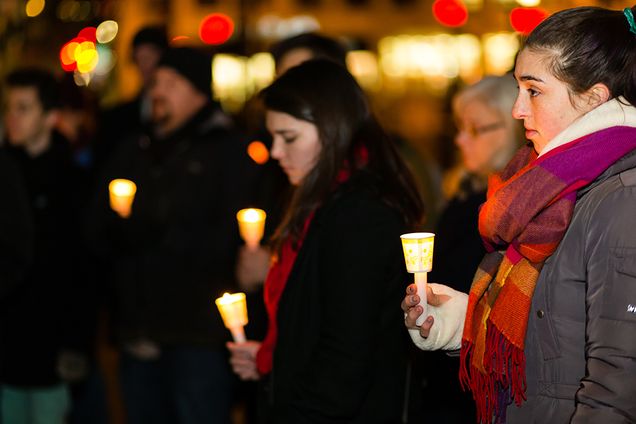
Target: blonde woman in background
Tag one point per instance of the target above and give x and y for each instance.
(487, 137)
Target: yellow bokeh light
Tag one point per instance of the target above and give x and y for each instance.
(500, 50)
(34, 8)
(529, 3)
(363, 64)
(106, 31)
(87, 60)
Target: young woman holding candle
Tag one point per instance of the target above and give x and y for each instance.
(547, 331)
(322, 360)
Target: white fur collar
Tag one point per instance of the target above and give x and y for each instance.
(610, 114)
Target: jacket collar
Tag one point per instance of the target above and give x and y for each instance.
(626, 162)
(613, 113)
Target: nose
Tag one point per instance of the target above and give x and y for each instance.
(276, 152)
(519, 109)
(461, 138)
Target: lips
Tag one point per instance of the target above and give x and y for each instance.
(530, 133)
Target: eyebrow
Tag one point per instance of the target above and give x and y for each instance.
(530, 78)
(284, 131)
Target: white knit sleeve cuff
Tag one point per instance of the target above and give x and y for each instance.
(447, 329)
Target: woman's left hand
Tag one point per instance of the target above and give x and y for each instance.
(243, 359)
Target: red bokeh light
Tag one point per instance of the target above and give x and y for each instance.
(451, 13)
(525, 19)
(216, 28)
(88, 33)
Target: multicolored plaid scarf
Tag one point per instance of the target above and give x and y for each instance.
(527, 212)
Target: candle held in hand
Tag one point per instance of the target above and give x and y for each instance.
(251, 226)
(418, 255)
(233, 309)
(121, 195)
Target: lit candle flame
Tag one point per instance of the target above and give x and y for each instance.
(233, 309)
(251, 226)
(122, 193)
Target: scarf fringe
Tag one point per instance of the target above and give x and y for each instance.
(502, 380)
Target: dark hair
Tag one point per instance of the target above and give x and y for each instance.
(320, 46)
(589, 45)
(43, 81)
(155, 35)
(326, 95)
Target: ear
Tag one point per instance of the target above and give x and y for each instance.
(598, 94)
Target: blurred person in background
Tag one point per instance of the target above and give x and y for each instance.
(487, 137)
(321, 360)
(41, 349)
(176, 251)
(130, 117)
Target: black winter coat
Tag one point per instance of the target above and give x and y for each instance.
(176, 252)
(340, 354)
(37, 319)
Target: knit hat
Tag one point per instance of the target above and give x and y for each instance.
(155, 35)
(192, 64)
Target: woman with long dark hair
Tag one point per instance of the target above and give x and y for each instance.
(323, 360)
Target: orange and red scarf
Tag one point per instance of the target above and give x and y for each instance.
(527, 212)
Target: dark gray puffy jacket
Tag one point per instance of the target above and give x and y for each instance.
(581, 340)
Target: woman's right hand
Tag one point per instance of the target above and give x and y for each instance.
(252, 266)
(412, 310)
(243, 359)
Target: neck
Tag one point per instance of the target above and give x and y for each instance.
(39, 144)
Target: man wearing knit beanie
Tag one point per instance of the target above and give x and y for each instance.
(177, 249)
(182, 87)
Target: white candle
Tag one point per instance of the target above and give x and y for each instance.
(251, 226)
(233, 309)
(121, 195)
(418, 255)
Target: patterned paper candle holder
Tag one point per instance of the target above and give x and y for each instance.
(121, 195)
(233, 309)
(251, 226)
(418, 255)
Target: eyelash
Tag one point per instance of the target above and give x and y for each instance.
(533, 92)
(289, 140)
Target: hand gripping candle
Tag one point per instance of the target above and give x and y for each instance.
(418, 255)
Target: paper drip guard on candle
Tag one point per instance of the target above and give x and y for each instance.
(233, 309)
(251, 226)
(121, 194)
(418, 255)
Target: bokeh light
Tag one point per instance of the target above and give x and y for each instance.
(106, 31)
(258, 152)
(180, 40)
(524, 20)
(89, 34)
(528, 3)
(86, 57)
(67, 55)
(34, 8)
(79, 54)
(451, 13)
(216, 28)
